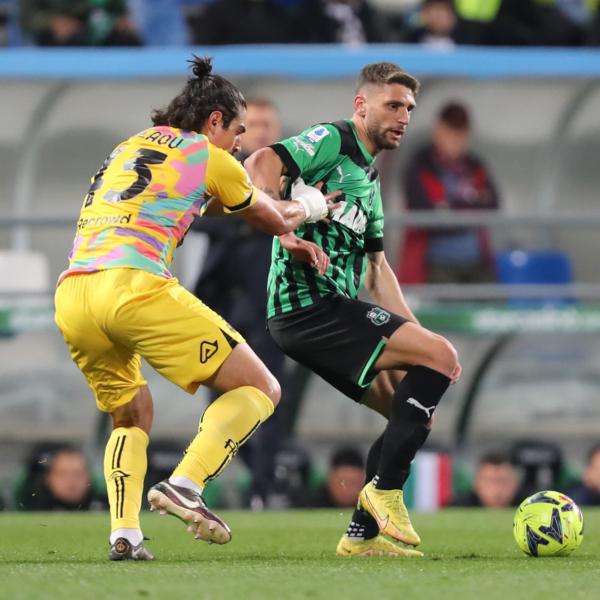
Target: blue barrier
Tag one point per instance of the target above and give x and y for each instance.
(298, 62)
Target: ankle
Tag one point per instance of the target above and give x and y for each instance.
(132, 535)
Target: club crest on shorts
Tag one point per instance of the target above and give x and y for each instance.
(378, 316)
(208, 350)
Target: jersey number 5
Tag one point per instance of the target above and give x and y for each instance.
(140, 164)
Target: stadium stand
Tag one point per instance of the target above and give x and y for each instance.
(542, 146)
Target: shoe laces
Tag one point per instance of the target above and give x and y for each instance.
(394, 502)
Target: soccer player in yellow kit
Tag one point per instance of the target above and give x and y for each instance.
(117, 301)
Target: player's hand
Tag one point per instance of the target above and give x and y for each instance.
(333, 200)
(305, 251)
(316, 205)
(455, 375)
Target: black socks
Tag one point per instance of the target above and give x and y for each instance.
(390, 456)
(414, 402)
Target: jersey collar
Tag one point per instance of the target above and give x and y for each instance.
(370, 159)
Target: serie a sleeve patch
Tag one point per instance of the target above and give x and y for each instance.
(317, 134)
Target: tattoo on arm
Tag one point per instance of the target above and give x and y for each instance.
(270, 192)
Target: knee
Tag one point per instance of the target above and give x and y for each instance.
(138, 412)
(128, 418)
(444, 356)
(271, 388)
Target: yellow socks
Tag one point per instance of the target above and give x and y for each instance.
(225, 425)
(125, 466)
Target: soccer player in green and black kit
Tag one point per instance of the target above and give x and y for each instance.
(377, 354)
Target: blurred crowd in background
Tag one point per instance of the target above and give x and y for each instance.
(437, 23)
(57, 477)
(444, 174)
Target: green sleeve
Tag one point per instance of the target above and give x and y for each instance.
(310, 154)
(374, 231)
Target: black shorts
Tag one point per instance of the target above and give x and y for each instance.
(338, 338)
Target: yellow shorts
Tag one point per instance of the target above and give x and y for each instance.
(111, 318)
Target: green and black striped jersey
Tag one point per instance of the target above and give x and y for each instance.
(332, 153)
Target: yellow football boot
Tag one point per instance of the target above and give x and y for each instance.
(388, 509)
(377, 546)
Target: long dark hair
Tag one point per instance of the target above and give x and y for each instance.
(203, 94)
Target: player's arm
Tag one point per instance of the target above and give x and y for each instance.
(274, 216)
(229, 182)
(266, 168)
(213, 208)
(383, 287)
(308, 156)
(303, 156)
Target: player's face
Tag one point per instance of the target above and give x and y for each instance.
(228, 138)
(387, 111)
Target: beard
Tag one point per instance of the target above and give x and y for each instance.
(378, 137)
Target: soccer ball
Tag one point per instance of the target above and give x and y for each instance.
(548, 524)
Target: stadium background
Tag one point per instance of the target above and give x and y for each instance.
(536, 123)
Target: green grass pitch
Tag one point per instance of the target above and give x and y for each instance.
(470, 554)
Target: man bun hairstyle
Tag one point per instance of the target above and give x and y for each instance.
(384, 73)
(201, 66)
(203, 94)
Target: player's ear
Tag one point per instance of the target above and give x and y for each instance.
(215, 119)
(360, 105)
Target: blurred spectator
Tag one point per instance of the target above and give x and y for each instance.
(480, 11)
(345, 479)
(351, 22)
(239, 294)
(437, 25)
(60, 481)
(242, 22)
(587, 493)
(491, 22)
(444, 176)
(496, 484)
(79, 23)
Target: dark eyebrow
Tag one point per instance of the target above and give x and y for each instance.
(410, 105)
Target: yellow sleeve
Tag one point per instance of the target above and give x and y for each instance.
(228, 181)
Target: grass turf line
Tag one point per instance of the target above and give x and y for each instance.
(470, 554)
